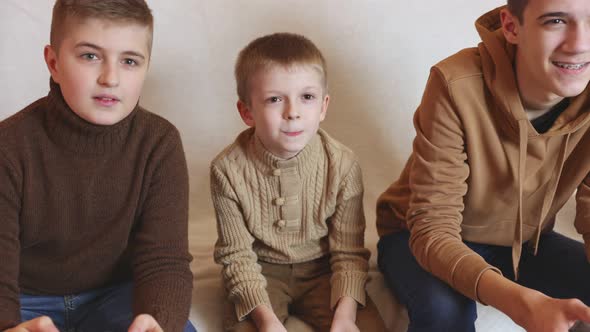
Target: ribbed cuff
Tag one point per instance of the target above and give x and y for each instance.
(250, 299)
(349, 284)
(168, 301)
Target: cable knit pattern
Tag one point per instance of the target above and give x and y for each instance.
(285, 212)
(84, 206)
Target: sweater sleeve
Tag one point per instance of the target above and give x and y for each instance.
(582, 220)
(161, 271)
(10, 207)
(438, 184)
(349, 257)
(242, 277)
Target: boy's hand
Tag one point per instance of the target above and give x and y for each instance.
(266, 320)
(532, 310)
(39, 324)
(550, 314)
(145, 323)
(345, 316)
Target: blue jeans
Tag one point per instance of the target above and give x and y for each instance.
(103, 309)
(559, 270)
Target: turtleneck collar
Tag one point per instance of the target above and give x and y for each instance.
(304, 161)
(72, 132)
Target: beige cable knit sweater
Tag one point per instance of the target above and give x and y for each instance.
(288, 211)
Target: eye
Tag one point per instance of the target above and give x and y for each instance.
(89, 56)
(554, 21)
(274, 99)
(130, 62)
(308, 96)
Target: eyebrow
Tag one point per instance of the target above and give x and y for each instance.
(552, 14)
(96, 47)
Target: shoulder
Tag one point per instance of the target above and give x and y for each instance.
(154, 129)
(23, 128)
(30, 116)
(341, 157)
(236, 153)
(148, 120)
(463, 65)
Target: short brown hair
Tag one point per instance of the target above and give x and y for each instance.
(135, 11)
(286, 49)
(516, 7)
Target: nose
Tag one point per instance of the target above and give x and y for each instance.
(291, 111)
(109, 75)
(578, 39)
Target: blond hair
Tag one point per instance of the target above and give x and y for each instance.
(126, 11)
(286, 49)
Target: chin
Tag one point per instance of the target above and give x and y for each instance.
(571, 91)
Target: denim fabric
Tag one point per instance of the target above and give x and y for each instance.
(560, 269)
(98, 310)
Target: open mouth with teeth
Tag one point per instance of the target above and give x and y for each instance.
(570, 66)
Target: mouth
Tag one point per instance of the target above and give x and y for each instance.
(293, 133)
(106, 100)
(571, 65)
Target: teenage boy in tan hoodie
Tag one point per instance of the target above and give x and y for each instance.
(502, 137)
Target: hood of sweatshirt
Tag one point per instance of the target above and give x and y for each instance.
(497, 58)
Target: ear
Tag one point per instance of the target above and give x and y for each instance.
(325, 103)
(510, 26)
(51, 61)
(245, 113)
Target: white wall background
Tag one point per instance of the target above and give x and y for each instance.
(379, 53)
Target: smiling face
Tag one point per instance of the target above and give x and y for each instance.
(286, 106)
(553, 50)
(101, 67)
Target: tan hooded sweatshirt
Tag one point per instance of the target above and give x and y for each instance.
(479, 171)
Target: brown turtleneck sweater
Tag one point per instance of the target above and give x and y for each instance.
(84, 206)
(285, 212)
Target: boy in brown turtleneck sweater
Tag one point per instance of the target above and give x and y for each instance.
(94, 189)
(288, 200)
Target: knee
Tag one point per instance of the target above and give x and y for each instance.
(443, 314)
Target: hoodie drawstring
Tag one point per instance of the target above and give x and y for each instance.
(517, 241)
(547, 200)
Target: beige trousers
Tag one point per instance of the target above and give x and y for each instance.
(303, 290)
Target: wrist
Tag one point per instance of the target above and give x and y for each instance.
(346, 308)
(262, 315)
(522, 307)
(514, 300)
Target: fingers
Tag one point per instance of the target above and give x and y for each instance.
(578, 310)
(39, 324)
(145, 323)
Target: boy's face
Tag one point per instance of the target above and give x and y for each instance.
(553, 49)
(100, 67)
(286, 107)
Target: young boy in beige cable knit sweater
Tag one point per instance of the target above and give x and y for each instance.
(288, 200)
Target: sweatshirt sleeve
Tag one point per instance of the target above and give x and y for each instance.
(438, 177)
(349, 257)
(162, 277)
(242, 276)
(10, 207)
(582, 220)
